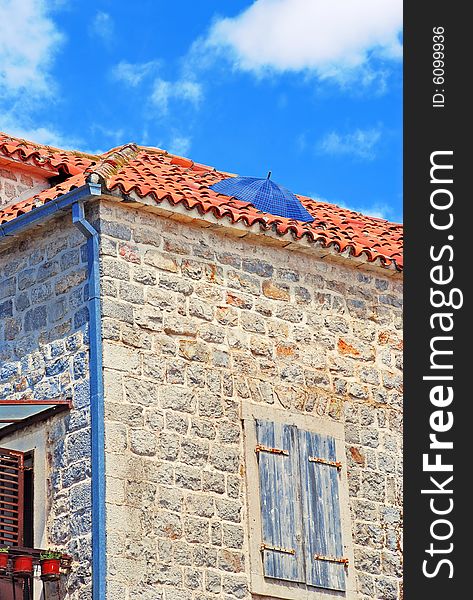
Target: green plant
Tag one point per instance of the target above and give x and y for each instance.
(5, 549)
(50, 554)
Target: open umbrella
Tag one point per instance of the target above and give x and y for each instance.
(265, 195)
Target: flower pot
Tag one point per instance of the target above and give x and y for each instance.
(3, 561)
(22, 565)
(50, 568)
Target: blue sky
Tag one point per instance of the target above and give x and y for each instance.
(311, 90)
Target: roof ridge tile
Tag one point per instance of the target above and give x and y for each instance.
(112, 162)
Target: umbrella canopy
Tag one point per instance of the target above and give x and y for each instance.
(265, 195)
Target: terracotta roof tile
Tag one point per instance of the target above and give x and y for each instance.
(15, 210)
(68, 161)
(155, 173)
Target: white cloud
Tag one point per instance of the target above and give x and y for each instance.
(179, 144)
(103, 26)
(331, 39)
(161, 94)
(42, 135)
(360, 143)
(22, 126)
(188, 90)
(133, 73)
(185, 90)
(29, 40)
(116, 136)
(380, 210)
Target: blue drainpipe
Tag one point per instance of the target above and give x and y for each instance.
(75, 199)
(99, 562)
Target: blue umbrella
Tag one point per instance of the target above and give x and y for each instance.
(265, 195)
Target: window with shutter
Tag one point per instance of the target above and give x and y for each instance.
(278, 465)
(11, 497)
(299, 530)
(325, 563)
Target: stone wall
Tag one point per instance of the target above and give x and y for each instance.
(44, 355)
(195, 323)
(14, 183)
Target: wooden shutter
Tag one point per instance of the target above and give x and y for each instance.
(11, 497)
(279, 484)
(324, 560)
(12, 589)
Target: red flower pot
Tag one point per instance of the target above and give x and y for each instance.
(22, 565)
(50, 568)
(3, 561)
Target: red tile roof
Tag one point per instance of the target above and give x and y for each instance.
(46, 157)
(141, 171)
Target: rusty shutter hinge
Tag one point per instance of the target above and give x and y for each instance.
(264, 547)
(334, 559)
(260, 448)
(331, 463)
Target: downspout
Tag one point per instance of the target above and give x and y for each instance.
(75, 199)
(97, 424)
(48, 210)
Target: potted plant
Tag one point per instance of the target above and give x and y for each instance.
(4, 559)
(22, 565)
(50, 561)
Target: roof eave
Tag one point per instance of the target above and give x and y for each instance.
(28, 166)
(42, 213)
(179, 212)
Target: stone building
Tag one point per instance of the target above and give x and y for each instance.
(217, 391)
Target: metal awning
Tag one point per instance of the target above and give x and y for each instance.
(15, 414)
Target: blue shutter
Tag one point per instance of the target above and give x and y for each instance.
(321, 509)
(279, 483)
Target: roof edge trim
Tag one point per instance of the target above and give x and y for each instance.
(48, 209)
(305, 243)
